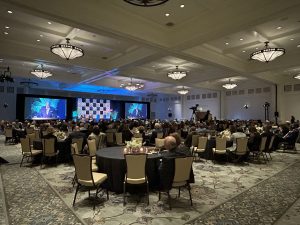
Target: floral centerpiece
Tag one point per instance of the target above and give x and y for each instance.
(133, 145)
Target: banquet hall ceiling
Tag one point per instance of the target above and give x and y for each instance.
(211, 39)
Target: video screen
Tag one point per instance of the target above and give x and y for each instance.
(45, 108)
(135, 110)
(92, 108)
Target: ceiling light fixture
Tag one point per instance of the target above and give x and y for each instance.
(67, 51)
(177, 74)
(41, 73)
(6, 76)
(6, 33)
(167, 14)
(6, 27)
(49, 23)
(182, 6)
(146, 3)
(267, 54)
(297, 76)
(183, 91)
(9, 11)
(226, 43)
(132, 86)
(229, 85)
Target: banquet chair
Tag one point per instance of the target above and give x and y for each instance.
(195, 139)
(92, 152)
(31, 137)
(29, 130)
(241, 148)
(37, 134)
(136, 172)
(110, 139)
(85, 177)
(79, 142)
(27, 151)
(181, 178)
(201, 147)
(220, 148)
(8, 132)
(119, 139)
(74, 150)
(261, 150)
(159, 143)
(270, 147)
(160, 135)
(102, 137)
(49, 150)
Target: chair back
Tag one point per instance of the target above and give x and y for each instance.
(119, 139)
(183, 168)
(101, 140)
(74, 148)
(160, 135)
(37, 134)
(31, 137)
(25, 145)
(8, 132)
(83, 169)
(136, 164)
(271, 142)
(49, 147)
(92, 147)
(202, 141)
(220, 143)
(137, 135)
(110, 138)
(195, 140)
(159, 143)
(241, 146)
(79, 142)
(262, 145)
(29, 130)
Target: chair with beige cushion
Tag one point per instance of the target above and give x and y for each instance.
(29, 130)
(8, 132)
(27, 151)
(241, 148)
(92, 152)
(102, 138)
(195, 139)
(136, 172)
(49, 150)
(220, 148)
(110, 139)
(160, 135)
(202, 142)
(269, 148)
(159, 143)
(181, 178)
(119, 139)
(32, 137)
(79, 142)
(261, 150)
(85, 177)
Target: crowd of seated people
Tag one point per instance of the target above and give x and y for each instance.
(148, 129)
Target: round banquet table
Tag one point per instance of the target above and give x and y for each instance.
(112, 162)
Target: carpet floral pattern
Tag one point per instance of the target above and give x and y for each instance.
(216, 185)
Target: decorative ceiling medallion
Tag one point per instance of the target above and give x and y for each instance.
(146, 3)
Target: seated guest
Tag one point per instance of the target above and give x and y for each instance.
(167, 166)
(157, 129)
(291, 137)
(181, 147)
(76, 134)
(50, 134)
(126, 133)
(189, 137)
(95, 135)
(236, 133)
(254, 139)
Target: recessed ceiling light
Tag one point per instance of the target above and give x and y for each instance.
(241, 39)
(298, 46)
(167, 14)
(226, 43)
(297, 77)
(41, 35)
(9, 11)
(279, 28)
(49, 23)
(182, 6)
(256, 48)
(5, 32)
(244, 51)
(292, 39)
(6, 27)
(38, 40)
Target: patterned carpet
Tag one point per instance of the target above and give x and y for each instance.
(223, 194)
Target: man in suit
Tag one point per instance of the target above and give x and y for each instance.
(47, 111)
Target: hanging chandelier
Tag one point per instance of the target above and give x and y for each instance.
(41, 73)
(132, 86)
(67, 51)
(267, 54)
(177, 74)
(229, 85)
(183, 91)
(146, 3)
(6, 76)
